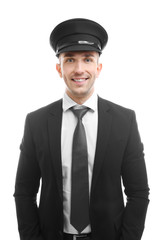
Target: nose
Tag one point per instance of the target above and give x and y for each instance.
(79, 67)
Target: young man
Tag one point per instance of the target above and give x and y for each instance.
(81, 147)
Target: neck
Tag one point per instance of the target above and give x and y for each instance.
(80, 99)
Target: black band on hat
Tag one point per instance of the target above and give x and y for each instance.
(78, 42)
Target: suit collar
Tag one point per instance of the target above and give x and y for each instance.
(103, 104)
(56, 108)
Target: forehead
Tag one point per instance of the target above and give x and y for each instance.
(80, 54)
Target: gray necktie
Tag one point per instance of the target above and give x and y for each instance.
(80, 186)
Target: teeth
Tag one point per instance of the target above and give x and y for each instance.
(79, 80)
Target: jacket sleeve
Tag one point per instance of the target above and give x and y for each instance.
(136, 186)
(26, 188)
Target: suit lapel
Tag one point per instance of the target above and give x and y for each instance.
(54, 132)
(104, 127)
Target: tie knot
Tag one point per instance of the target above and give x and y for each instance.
(79, 113)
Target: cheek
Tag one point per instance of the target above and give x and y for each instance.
(94, 71)
(65, 76)
(65, 72)
(95, 74)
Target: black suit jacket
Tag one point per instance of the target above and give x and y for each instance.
(119, 155)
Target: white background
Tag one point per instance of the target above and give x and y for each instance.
(28, 80)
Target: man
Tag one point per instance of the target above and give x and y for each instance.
(95, 150)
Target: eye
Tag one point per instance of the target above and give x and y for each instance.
(69, 60)
(88, 60)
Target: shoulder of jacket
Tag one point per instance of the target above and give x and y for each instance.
(42, 112)
(116, 110)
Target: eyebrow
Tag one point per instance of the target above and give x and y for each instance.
(84, 55)
(88, 55)
(68, 55)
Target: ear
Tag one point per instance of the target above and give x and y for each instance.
(99, 68)
(58, 68)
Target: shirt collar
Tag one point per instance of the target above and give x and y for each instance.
(90, 103)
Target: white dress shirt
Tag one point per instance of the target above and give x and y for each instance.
(69, 122)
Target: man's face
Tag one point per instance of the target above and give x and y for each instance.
(79, 71)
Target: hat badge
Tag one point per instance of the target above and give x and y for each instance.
(85, 42)
(89, 43)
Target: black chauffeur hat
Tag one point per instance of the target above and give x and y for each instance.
(78, 34)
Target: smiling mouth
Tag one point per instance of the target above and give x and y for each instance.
(79, 79)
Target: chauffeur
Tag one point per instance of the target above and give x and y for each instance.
(81, 147)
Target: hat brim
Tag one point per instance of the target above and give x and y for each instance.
(78, 48)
